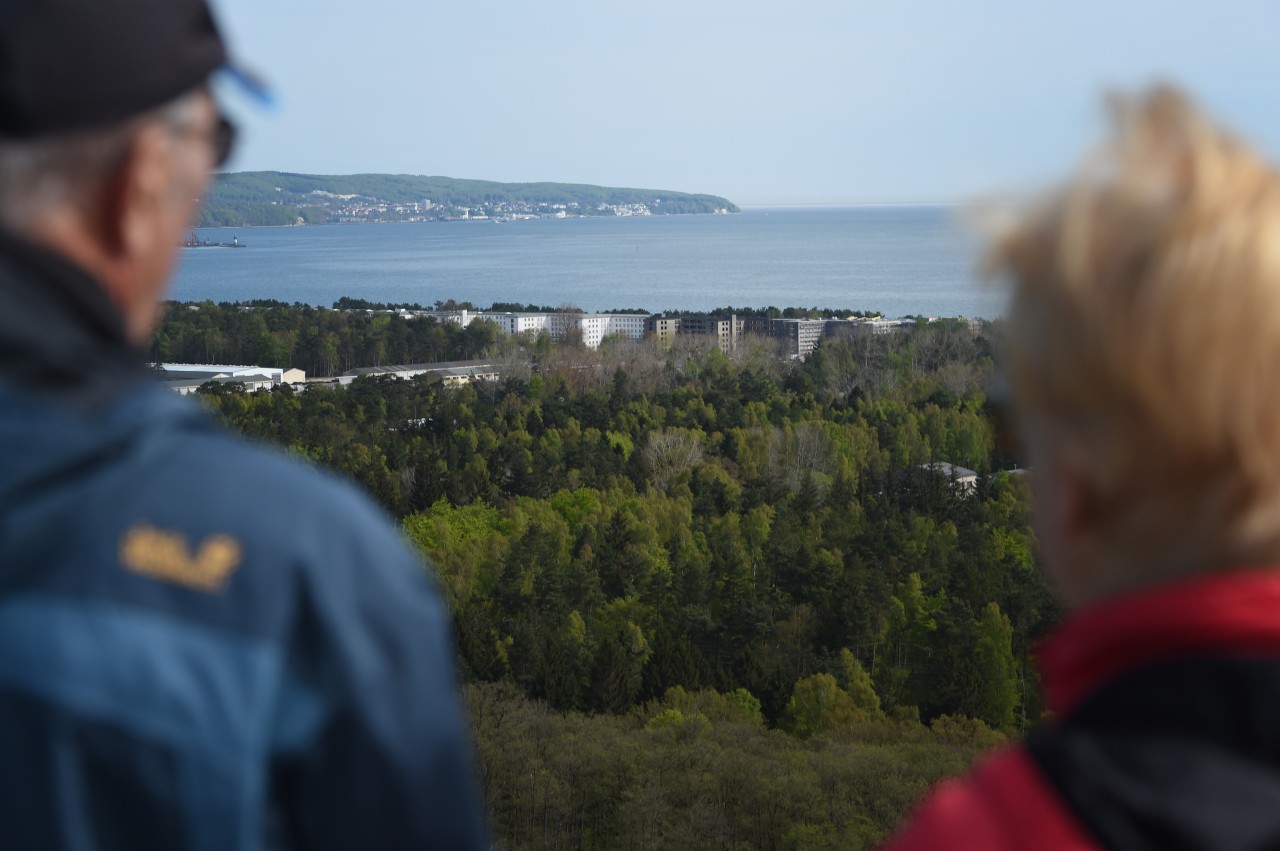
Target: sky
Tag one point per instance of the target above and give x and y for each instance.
(797, 102)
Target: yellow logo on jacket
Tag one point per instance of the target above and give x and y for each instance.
(166, 556)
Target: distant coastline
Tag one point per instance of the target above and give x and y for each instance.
(282, 199)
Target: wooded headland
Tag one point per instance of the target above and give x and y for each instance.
(261, 198)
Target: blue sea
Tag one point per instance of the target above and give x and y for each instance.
(901, 260)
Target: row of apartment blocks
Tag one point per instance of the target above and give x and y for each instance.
(801, 336)
(591, 327)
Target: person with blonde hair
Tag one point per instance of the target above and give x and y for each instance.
(1145, 348)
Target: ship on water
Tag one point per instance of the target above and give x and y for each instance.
(194, 240)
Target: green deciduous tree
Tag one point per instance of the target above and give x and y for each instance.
(818, 705)
(997, 675)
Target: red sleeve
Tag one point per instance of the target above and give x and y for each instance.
(1004, 805)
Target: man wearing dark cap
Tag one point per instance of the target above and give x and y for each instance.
(177, 671)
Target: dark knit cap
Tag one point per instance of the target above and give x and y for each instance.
(69, 65)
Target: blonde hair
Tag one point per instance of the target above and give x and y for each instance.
(1145, 324)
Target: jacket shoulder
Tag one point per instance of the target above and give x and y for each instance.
(189, 501)
(205, 470)
(1004, 804)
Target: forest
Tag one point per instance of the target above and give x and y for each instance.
(320, 341)
(701, 599)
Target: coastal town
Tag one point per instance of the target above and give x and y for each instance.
(355, 208)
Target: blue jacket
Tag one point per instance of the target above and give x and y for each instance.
(202, 645)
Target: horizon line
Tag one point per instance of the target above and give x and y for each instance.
(814, 205)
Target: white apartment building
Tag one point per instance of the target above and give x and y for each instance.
(593, 327)
(631, 325)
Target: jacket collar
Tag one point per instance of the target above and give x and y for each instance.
(60, 334)
(1235, 612)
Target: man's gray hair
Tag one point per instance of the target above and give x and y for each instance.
(39, 176)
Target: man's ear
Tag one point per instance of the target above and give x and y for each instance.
(134, 200)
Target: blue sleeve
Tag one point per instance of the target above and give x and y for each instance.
(372, 748)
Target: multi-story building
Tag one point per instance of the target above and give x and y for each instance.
(725, 330)
(517, 323)
(630, 325)
(592, 327)
(802, 335)
(663, 328)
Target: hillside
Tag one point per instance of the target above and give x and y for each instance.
(246, 199)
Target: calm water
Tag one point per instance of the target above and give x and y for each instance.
(899, 260)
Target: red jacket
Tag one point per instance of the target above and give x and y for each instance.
(1167, 733)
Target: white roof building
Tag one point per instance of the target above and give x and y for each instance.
(177, 371)
(450, 372)
(962, 477)
(186, 378)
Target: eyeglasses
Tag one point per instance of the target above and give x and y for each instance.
(221, 138)
(224, 141)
